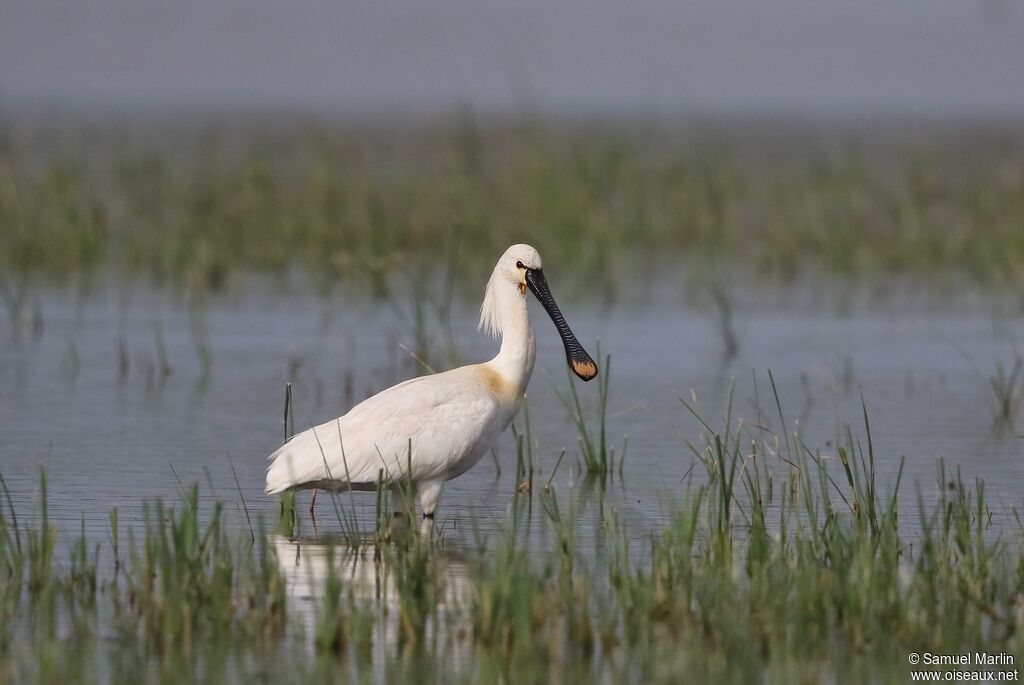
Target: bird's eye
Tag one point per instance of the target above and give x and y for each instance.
(519, 265)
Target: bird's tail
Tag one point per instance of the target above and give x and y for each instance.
(296, 463)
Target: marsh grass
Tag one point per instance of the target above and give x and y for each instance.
(783, 563)
(180, 587)
(1005, 389)
(1008, 393)
(163, 363)
(724, 320)
(198, 212)
(524, 453)
(343, 626)
(200, 340)
(598, 458)
(288, 518)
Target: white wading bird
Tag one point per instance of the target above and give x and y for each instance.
(431, 429)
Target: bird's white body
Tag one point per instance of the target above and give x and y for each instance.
(430, 429)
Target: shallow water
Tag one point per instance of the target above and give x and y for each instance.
(111, 430)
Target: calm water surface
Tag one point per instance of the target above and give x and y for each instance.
(113, 432)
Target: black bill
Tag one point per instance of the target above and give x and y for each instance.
(579, 361)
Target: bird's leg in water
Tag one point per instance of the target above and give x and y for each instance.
(312, 506)
(430, 495)
(427, 529)
(403, 502)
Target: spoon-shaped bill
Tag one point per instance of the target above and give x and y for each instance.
(579, 361)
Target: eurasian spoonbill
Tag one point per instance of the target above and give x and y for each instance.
(428, 430)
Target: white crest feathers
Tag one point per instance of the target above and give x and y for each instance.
(490, 322)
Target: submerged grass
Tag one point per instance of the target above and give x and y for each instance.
(783, 563)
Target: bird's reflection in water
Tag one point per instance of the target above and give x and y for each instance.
(415, 575)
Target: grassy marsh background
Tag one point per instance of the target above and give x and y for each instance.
(194, 206)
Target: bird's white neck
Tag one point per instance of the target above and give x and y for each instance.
(515, 359)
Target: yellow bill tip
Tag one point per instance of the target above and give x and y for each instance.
(584, 369)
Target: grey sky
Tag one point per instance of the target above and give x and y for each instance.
(642, 56)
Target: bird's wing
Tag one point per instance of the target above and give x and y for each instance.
(441, 418)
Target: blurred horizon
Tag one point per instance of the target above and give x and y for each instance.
(192, 142)
(741, 58)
